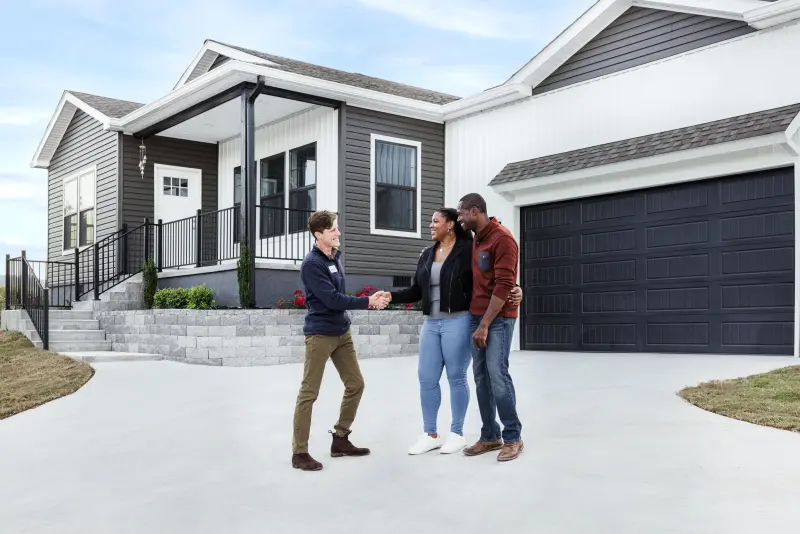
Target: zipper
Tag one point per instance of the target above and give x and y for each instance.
(450, 288)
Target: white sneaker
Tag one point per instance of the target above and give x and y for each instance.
(453, 444)
(425, 444)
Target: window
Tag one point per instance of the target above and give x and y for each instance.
(238, 195)
(79, 216)
(176, 187)
(273, 192)
(396, 186)
(302, 186)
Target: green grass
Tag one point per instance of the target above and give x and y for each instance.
(767, 399)
(30, 377)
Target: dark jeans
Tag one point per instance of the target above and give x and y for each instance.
(494, 388)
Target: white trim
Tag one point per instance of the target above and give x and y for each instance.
(91, 169)
(221, 50)
(773, 14)
(158, 185)
(491, 98)
(747, 155)
(418, 215)
(57, 127)
(721, 9)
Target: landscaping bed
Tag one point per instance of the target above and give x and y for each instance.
(768, 399)
(30, 377)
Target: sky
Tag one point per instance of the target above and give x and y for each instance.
(137, 51)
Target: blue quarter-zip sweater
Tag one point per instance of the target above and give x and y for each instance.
(326, 296)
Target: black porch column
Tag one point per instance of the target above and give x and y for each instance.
(249, 177)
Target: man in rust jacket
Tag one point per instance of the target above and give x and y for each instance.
(495, 257)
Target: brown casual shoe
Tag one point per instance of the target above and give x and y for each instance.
(510, 451)
(305, 462)
(482, 447)
(341, 446)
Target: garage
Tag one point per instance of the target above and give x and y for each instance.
(700, 267)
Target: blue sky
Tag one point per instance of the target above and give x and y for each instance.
(137, 51)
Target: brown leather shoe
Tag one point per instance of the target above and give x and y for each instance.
(482, 447)
(341, 446)
(510, 451)
(305, 462)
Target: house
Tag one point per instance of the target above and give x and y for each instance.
(645, 159)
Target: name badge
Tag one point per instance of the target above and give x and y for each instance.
(332, 269)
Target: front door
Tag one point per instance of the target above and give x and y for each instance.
(178, 196)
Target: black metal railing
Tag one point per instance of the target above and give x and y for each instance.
(25, 290)
(58, 277)
(113, 259)
(204, 239)
(283, 234)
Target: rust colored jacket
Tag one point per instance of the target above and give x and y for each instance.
(495, 257)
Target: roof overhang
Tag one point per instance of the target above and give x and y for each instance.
(209, 53)
(756, 13)
(58, 125)
(736, 157)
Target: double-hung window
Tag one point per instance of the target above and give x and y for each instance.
(79, 210)
(273, 178)
(302, 186)
(395, 186)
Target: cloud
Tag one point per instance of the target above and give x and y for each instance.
(14, 186)
(20, 116)
(479, 18)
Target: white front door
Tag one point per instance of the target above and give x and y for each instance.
(178, 196)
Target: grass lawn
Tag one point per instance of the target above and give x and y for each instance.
(30, 377)
(768, 399)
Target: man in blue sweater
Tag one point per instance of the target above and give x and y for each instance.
(327, 333)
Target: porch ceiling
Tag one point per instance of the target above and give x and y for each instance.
(224, 121)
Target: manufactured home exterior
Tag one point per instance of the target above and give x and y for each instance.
(645, 160)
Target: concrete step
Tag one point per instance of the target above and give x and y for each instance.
(71, 315)
(75, 325)
(82, 305)
(77, 335)
(109, 357)
(76, 346)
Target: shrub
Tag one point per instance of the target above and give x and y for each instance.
(201, 298)
(171, 298)
(150, 279)
(243, 277)
(298, 302)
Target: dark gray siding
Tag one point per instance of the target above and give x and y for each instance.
(85, 143)
(639, 36)
(137, 193)
(221, 60)
(371, 254)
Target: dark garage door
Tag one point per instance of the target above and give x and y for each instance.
(699, 267)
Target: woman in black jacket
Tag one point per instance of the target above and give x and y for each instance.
(443, 282)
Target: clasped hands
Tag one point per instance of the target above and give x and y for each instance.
(379, 300)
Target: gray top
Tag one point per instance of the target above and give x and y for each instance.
(436, 295)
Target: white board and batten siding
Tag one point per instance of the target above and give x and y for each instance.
(316, 125)
(711, 83)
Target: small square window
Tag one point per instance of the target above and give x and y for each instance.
(176, 187)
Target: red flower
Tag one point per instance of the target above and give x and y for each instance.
(300, 301)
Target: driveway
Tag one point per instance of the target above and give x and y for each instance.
(161, 447)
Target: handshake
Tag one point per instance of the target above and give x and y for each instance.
(379, 300)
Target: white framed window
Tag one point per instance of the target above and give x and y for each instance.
(395, 186)
(79, 196)
(175, 187)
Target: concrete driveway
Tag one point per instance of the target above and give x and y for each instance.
(160, 447)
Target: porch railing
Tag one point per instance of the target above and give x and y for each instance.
(25, 290)
(283, 233)
(201, 240)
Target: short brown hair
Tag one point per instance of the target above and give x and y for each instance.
(319, 221)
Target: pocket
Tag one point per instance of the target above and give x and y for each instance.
(484, 261)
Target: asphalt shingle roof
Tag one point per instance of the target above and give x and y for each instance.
(351, 78)
(111, 107)
(700, 135)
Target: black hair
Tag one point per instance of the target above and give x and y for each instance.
(451, 215)
(473, 200)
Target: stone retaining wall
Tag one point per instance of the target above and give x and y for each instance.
(250, 337)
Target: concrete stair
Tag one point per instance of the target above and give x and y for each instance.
(77, 334)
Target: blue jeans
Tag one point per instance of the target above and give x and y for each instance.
(493, 385)
(444, 343)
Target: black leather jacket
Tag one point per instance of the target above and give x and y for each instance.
(455, 284)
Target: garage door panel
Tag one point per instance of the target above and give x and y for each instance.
(697, 267)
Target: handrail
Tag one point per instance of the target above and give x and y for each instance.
(25, 290)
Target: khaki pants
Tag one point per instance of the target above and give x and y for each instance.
(342, 352)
